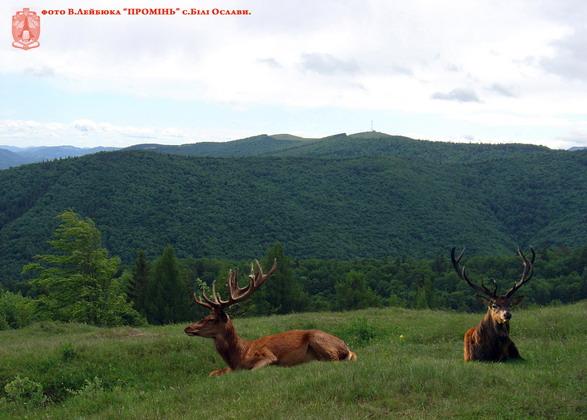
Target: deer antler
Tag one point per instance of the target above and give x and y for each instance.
(463, 275)
(526, 274)
(236, 293)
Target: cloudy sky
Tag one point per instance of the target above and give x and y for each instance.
(461, 70)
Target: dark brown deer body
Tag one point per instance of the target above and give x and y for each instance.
(285, 349)
(490, 339)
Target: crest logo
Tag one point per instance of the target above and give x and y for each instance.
(26, 29)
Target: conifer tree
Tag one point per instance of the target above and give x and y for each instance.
(167, 296)
(139, 283)
(282, 293)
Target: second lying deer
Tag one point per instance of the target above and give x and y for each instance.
(490, 339)
(285, 349)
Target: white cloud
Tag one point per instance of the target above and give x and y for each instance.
(458, 95)
(88, 133)
(502, 90)
(271, 62)
(327, 64)
(570, 56)
(493, 63)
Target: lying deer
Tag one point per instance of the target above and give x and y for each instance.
(284, 349)
(490, 339)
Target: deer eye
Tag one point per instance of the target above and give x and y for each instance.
(494, 306)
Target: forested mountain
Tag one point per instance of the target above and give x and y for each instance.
(339, 146)
(252, 146)
(419, 201)
(374, 144)
(343, 146)
(11, 156)
(8, 159)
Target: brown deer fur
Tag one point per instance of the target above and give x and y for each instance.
(285, 349)
(490, 339)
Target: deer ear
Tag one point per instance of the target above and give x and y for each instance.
(516, 300)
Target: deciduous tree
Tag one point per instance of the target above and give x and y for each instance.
(78, 282)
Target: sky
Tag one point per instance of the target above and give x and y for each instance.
(463, 70)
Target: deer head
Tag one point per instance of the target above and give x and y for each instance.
(215, 323)
(499, 306)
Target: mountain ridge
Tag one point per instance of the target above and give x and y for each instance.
(336, 146)
(342, 146)
(413, 204)
(25, 155)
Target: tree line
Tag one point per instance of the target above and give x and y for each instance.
(79, 281)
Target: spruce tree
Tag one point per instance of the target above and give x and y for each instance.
(137, 290)
(167, 296)
(282, 293)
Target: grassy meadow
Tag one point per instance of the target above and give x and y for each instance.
(158, 372)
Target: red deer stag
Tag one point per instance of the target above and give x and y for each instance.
(489, 340)
(284, 349)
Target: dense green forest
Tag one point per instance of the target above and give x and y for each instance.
(79, 281)
(252, 146)
(341, 200)
(343, 146)
(359, 207)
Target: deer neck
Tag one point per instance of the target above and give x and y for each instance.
(230, 346)
(490, 328)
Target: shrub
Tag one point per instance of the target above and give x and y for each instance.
(25, 391)
(90, 387)
(3, 322)
(68, 352)
(16, 311)
(359, 333)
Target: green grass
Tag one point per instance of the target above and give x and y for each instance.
(158, 372)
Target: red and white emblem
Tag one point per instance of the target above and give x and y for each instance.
(26, 29)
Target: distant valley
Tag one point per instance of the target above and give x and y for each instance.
(11, 156)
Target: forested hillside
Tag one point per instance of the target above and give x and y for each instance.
(418, 203)
(252, 146)
(374, 144)
(343, 146)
